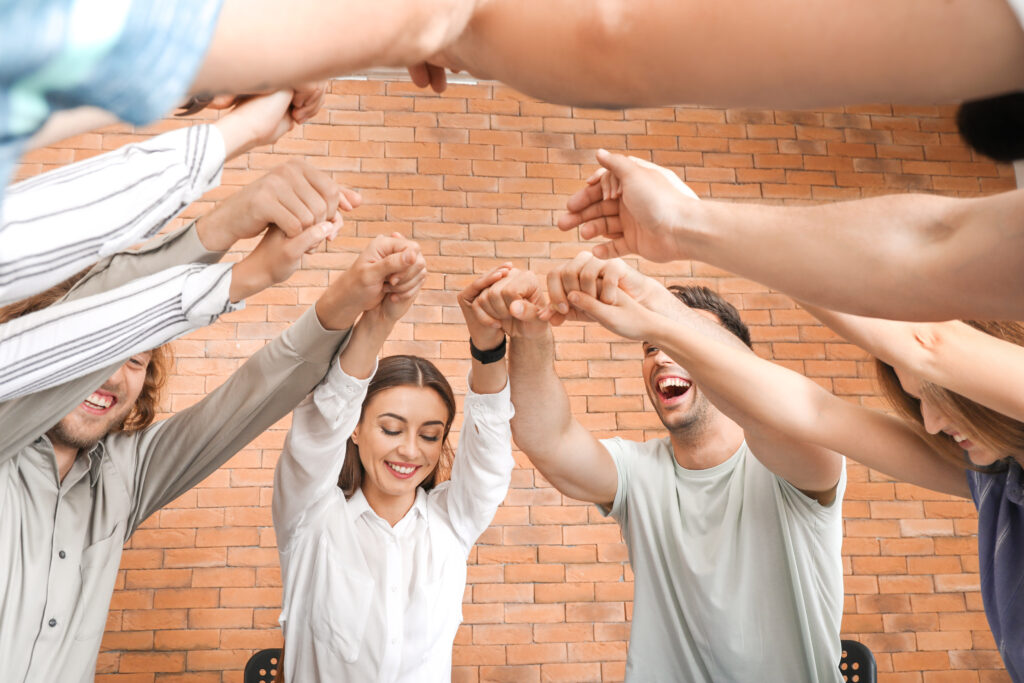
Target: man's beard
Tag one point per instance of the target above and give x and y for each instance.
(690, 424)
(83, 439)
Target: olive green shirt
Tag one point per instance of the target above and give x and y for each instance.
(61, 542)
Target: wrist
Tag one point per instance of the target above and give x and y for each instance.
(488, 355)
(213, 230)
(693, 228)
(334, 311)
(246, 280)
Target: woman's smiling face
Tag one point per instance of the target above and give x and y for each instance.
(400, 438)
(936, 420)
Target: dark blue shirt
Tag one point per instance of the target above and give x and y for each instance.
(999, 498)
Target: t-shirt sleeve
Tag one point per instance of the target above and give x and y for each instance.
(623, 456)
(802, 504)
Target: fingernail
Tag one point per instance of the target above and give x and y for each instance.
(563, 308)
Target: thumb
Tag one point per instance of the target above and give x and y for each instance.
(590, 306)
(308, 239)
(393, 263)
(616, 163)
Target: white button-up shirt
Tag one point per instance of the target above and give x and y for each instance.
(364, 601)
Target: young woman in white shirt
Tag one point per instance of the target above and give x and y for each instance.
(373, 534)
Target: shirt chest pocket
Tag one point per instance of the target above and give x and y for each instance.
(99, 573)
(341, 597)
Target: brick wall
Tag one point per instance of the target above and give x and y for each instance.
(478, 176)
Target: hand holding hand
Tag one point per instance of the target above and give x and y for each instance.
(599, 279)
(625, 317)
(633, 203)
(306, 101)
(273, 260)
(255, 121)
(484, 331)
(293, 196)
(514, 304)
(391, 267)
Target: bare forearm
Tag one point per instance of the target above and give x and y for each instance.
(262, 44)
(648, 52)
(360, 355)
(909, 257)
(542, 406)
(951, 354)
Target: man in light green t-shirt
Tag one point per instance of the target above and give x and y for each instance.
(734, 531)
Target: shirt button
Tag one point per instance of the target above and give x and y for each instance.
(394, 589)
(62, 554)
(52, 622)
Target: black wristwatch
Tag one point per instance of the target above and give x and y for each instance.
(490, 355)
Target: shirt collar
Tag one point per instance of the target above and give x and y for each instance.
(44, 449)
(358, 506)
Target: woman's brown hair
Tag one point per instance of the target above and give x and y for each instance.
(144, 410)
(403, 371)
(998, 432)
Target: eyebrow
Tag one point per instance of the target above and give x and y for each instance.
(402, 419)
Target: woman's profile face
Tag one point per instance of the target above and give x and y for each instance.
(937, 420)
(400, 438)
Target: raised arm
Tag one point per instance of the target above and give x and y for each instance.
(779, 399)
(315, 447)
(57, 223)
(906, 256)
(172, 456)
(793, 54)
(564, 451)
(951, 354)
(809, 467)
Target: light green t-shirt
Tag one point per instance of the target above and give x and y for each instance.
(738, 575)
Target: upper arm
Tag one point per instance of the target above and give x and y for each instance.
(813, 469)
(890, 445)
(823, 53)
(577, 464)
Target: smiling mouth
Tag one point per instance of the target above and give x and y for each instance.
(401, 471)
(99, 402)
(672, 389)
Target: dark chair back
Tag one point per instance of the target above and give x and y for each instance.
(263, 666)
(857, 664)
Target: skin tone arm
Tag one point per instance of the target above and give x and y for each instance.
(808, 466)
(950, 354)
(484, 378)
(564, 451)
(945, 258)
(260, 44)
(784, 400)
(785, 54)
(375, 325)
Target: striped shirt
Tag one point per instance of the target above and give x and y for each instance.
(25, 418)
(60, 222)
(59, 343)
(134, 58)
(129, 195)
(1000, 501)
